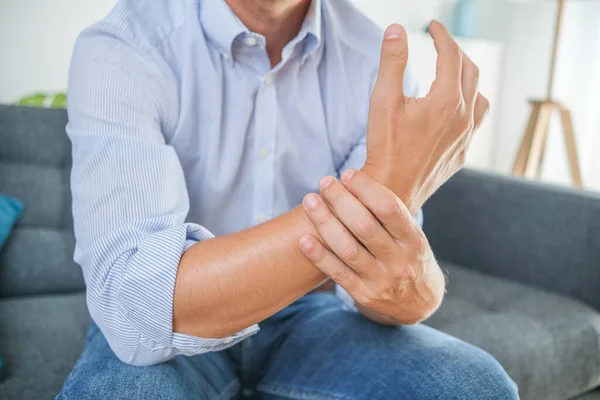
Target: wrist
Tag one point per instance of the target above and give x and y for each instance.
(394, 185)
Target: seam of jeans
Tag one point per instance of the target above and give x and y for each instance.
(296, 393)
(230, 391)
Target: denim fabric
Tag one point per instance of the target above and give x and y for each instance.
(312, 350)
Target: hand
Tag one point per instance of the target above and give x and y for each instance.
(375, 250)
(415, 145)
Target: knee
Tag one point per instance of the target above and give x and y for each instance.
(112, 379)
(450, 369)
(472, 373)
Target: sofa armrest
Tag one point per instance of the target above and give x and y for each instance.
(537, 234)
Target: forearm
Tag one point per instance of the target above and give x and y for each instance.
(231, 282)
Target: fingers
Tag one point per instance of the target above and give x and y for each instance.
(449, 62)
(356, 217)
(392, 66)
(336, 236)
(470, 82)
(482, 106)
(382, 202)
(329, 263)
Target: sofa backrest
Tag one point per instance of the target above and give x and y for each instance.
(35, 160)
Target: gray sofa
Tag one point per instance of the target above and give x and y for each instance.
(523, 262)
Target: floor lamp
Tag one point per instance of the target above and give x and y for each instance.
(531, 153)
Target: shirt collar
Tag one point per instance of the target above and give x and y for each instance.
(223, 27)
(220, 24)
(312, 27)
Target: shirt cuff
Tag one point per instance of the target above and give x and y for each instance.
(146, 293)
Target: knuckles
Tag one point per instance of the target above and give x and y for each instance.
(476, 72)
(366, 229)
(339, 274)
(383, 100)
(390, 209)
(455, 50)
(350, 253)
(464, 125)
(484, 103)
(386, 291)
(462, 159)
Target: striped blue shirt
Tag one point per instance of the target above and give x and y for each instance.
(181, 131)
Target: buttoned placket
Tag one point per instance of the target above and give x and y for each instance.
(265, 126)
(264, 146)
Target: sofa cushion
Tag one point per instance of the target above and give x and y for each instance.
(549, 344)
(593, 395)
(35, 159)
(40, 339)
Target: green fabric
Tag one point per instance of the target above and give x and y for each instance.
(45, 100)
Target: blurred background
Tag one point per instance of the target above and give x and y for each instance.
(510, 40)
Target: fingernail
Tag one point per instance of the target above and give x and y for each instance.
(393, 31)
(347, 175)
(325, 182)
(310, 201)
(305, 243)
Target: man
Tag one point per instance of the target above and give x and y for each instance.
(199, 130)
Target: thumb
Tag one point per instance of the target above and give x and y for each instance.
(394, 58)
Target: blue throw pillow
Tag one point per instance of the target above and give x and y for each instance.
(10, 211)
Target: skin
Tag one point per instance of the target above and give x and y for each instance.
(279, 21)
(413, 147)
(359, 231)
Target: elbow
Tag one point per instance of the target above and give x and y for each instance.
(125, 341)
(130, 357)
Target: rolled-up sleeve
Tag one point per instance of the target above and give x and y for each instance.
(130, 199)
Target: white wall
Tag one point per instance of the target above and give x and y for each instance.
(577, 83)
(36, 39)
(414, 15)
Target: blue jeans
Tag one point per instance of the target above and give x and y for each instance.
(312, 350)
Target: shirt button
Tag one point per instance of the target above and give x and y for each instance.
(264, 153)
(268, 79)
(251, 41)
(227, 341)
(247, 392)
(262, 218)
